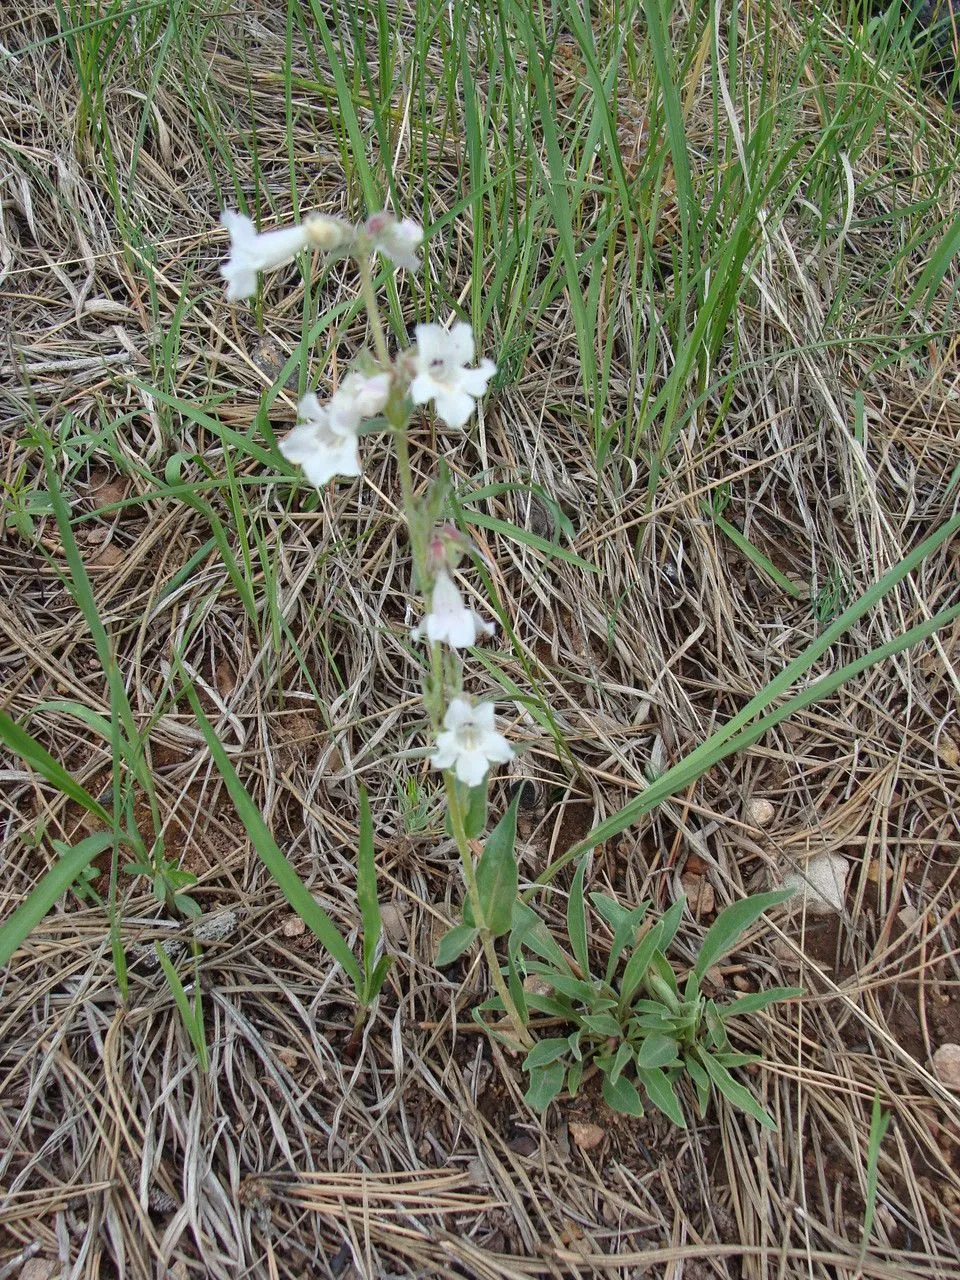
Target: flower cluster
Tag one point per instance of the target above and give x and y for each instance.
(252, 252)
(325, 441)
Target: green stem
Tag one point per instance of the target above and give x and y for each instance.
(523, 1036)
(397, 416)
(369, 296)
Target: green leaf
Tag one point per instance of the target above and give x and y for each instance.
(624, 924)
(187, 906)
(622, 1096)
(716, 1031)
(550, 1006)
(879, 1123)
(731, 924)
(515, 534)
(48, 890)
(621, 1058)
(656, 1051)
(577, 920)
(586, 992)
(609, 909)
(670, 923)
(546, 1051)
(474, 810)
(282, 870)
(27, 748)
(638, 964)
(367, 898)
(529, 931)
(454, 943)
(545, 1084)
(735, 1093)
(191, 1015)
(660, 1091)
(759, 1000)
(602, 1024)
(731, 1059)
(574, 1076)
(661, 966)
(497, 875)
(701, 1082)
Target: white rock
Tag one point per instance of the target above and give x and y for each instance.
(822, 884)
(946, 1066)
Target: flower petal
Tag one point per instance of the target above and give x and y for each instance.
(472, 767)
(423, 388)
(446, 752)
(433, 343)
(460, 343)
(458, 713)
(474, 381)
(241, 281)
(453, 406)
(495, 747)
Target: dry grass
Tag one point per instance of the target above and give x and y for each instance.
(117, 1155)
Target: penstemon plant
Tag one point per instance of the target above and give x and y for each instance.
(465, 740)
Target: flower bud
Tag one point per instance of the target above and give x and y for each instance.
(328, 234)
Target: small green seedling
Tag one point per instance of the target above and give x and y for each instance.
(636, 1025)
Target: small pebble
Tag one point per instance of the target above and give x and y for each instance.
(586, 1136)
(700, 896)
(908, 916)
(293, 927)
(822, 885)
(946, 1066)
(760, 813)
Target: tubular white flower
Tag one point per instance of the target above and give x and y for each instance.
(449, 620)
(442, 373)
(398, 241)
(362, 395)
(324, 444)
(470, 743)
(252, 251)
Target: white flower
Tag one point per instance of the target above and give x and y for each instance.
(470, 743)
(449, 619)
(362, 395)
(442, 373)
(252, 251)
(398, 241)
(325, 444)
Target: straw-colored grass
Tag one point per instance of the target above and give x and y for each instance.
(817, 411)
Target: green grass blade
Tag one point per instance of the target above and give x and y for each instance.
(267, 849)
(192, 1015)
(739, 733)
(50, 888)
(39, 758)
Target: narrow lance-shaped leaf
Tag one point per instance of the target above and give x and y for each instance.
(51, 886)
(368, 899)
(279, 866)
(731, 924)
(577, 920)
(37, 756)
(454, 942)
(497, 876)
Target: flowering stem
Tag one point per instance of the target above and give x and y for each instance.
(397, 416)
(473, 897)
(369, 295)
